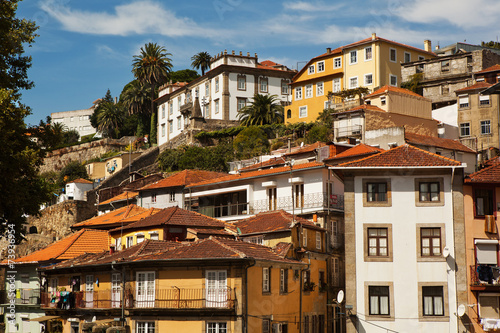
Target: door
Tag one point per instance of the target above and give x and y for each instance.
(216, 289)
(89, 291)
(115, 290)
(145, 289)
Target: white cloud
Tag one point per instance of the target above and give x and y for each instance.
(138, 17)
(311, 6)
(461, 13)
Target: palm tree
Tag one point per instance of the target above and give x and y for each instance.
(264, 109)
(109, 119)
(136, 97)
(201, 61)
(152, 67)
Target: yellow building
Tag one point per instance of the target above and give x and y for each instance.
(371, 63)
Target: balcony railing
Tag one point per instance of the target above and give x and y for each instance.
(319, 200)
(346, 105)
(168, 298)
(484, 276)
(22, 296)
(348, 131)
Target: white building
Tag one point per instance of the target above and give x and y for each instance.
(218, 95)
(78, 120)
(76, 189)
(404, 242)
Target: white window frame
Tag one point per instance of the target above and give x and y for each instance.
(485, 123)
(351, 53)
(463, 101)
(298, 93)
(179, 123)
(311, 69)
(303, 111)
(371, 78)
(392, 76)
(145, 289)
(395, 55)
(337, 62)
(321, 66)
(145, 326)
(483, 98)
(266, 279)
(320, 89)
(163, 111)
(170, 126)
(217, 106)
(409, 57)
(264, 87)
(171, 108)
(304, 237)
(351, 86)
(139, 238)
(318, 240)
(336, 85)
(217, 327)
(163, 130)
(309, 91)
(366, 53)
(242, 79)
(240, 103)
(130, 241)
(216, 84)
(464, 126)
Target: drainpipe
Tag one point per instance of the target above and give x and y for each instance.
(245, 318)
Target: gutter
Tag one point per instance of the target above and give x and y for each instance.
(463, 165)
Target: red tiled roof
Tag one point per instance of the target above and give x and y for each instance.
(388, 88)
(258, 173)
(174, 216)
(183, 178)
(366, 107)
(492, 161)
(282, 248)
(121, 197)
(83, 241)
(493, 68)
(369, 39)
(477, 86)
(306, 148)
(417, 139)
(487, 175)
(206, 231)
(269, 163)
(272, 221)
(127, 214)
(81, 181)
(360, 149)
(402, 156)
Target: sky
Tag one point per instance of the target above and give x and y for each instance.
(86, 47)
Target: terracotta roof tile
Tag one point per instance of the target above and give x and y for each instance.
(366, 107)
(388, 88)
(183, 178)
(81, 181)
(417, 139)
(360, 149)
(402, 156)
(83, 241)
(174, 216)
(492, 161)
(489, 175)
(306, 148)
(272, 221)
(127, 214)
(493, 68)
(369, 39)
(269, 163)
(121, 197)
(282, 249)
(477, 86)
(267, 172)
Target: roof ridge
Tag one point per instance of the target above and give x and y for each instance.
(433, 154)
(227, 247)
(77, 236)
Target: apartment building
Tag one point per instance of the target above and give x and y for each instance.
(77, 120)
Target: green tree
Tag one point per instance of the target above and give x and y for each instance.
(152, 67)
(184, 75)
(414, 84)
(136, 99)
(318, 132)
(109, 119)
(263, 110)
(70, 137)
(250, 142)
(201, 60)
(71, 171)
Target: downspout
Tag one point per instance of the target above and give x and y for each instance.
(245, 319)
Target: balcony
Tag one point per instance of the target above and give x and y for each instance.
(470, 142)
(348, 131)
(23, 297)
(484, 278)
(168, 298)
(345, 105)
(186, 107)
(319, 200)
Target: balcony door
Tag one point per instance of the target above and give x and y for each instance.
(216, 289)
(115, 290)
(145, 289)
(89, 291)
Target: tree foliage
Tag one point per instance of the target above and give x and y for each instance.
(71, 171)
(491, 44)
(264, 109)
(251, 142)
(184, 75)
(109, 119)
(201, 60)
(414, 84)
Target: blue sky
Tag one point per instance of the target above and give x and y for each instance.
(86, 47)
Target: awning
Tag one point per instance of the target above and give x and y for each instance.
(44, 318)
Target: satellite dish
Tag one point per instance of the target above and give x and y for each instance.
(340, 296)
(302, 144)
(461, 310)
(446, 252)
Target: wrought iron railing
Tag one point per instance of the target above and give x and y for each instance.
(484, 275)
(320, 200)
(167, 298)
(348, 131)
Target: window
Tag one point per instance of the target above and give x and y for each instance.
(217, 327)
(310, 69)
(485, 127)
(118, 244)
(170, 126)
(306, 324)
(383, 100)
(283, 280)
(163, 129)
(368, 53)
(139, 238)
(284, 87)
(163, 111)
(242, 102)
(207, 89)
(179, 102)
(145, 289)
(130, 241)
(170, 108)
(393, 80)
(172, 196)
(483, 199)
(321, 66)
(179, 123)
(334, 233)
(216, 106)
(392, 55)
(303, 111)
(298, 93)
(430, 242)
(318, 240)
(263, 84)
(153, 197)
(465, 129)
(368, 79)
(266, 325)
(304, 237)
(280, 328)
(377, 242)
(320, 89)
(271, 195)
(428, 191)
(337, 62)
(216, 84)
(445, 66)
(336, 85)
(145, 327)
(379, 300)
(309, 91)
(353, 57)
(154, 235)
(242, 82)
(484, 100)
(420, 67)
(376, 192)
(463, 101)
(266, 278)
(407, 57)
(432, 300)
(353, 82)
(306, 278)
(289, 113)
(335, 271)
(299, 195)
(321, 281)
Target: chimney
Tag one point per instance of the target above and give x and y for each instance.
(374, 35)
(328, 50)
(111, 249)
(428, 45)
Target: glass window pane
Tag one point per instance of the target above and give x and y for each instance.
(427, 305)
(373, 304)
(383, 251)
(384, 305)
(423, 187)
(438, 306)
(426, 232)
